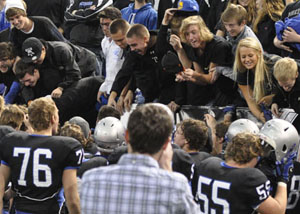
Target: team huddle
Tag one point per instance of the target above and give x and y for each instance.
(256, 172)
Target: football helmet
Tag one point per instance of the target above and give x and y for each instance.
(109, 134)
(239, 126)
(281, 135)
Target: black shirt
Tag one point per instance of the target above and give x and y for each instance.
(43, 29)
(37, 163)
(220, 187)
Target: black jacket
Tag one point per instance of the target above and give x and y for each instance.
(144, 70)
(289, 99)
(70, 60)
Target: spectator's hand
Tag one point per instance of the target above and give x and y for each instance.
(169, 13)
(179, 77)
(112, 102)
(262, 117)
(175, 42)
(173, 106)
(189, 75)
(275, 110)
(279, 44)
(290, 35)
(165, 160)
(56, 93)
(266, 100)
(98, 96)
(120, 105)
(93, 7)
(128, 100)
(210, 121)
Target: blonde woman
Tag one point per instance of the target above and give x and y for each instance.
(253, 76)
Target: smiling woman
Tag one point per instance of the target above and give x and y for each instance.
(253, 76)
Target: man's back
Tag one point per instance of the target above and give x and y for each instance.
(37, 163)
(223, 188)
(135, 185)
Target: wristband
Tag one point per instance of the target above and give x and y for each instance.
(283, 184)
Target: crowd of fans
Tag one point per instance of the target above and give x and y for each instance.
(71, 69)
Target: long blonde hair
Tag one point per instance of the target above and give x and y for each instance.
(272, 8)
(204, 32)
(261, 72)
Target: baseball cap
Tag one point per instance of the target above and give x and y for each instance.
(84, 125)
(188, 6)
(171, 63)
(31, 49)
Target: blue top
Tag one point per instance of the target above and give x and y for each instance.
(3, 22)
(146, 15)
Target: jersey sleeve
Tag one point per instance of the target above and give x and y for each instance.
(256, 187)
(4, 130)
(75, 155)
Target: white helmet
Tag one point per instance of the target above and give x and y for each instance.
(281, 135)
(239, 126)
(109, 134)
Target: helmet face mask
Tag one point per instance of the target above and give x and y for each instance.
(109, 134)
(281, 136)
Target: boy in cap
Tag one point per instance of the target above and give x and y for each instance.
(71, 61)
(25, 27)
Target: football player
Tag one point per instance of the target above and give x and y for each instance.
(280, 138)
(235, 186)
(39, 164)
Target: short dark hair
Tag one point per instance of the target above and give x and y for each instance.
(222, 128)
(23, 68)
(149, 127)
(138, 30)
(110, 13)
(6, 51)
(108, 111)
(119, 25)
(13, 11)
(195, 132)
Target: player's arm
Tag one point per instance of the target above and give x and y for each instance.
(69, 181)
(4, 178)
(276, 205)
